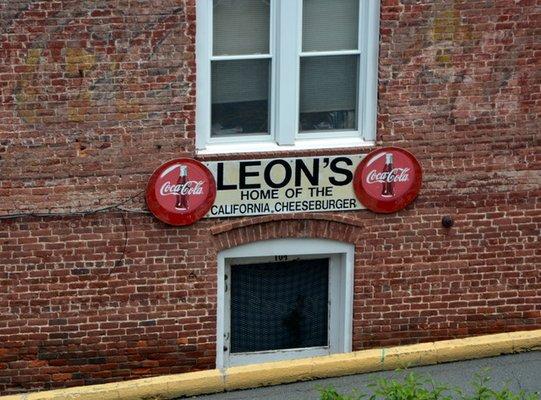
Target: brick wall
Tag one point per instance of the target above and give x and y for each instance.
(95, 95)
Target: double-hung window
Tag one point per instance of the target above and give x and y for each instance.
(286, 74)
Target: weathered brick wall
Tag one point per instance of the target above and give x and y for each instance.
(101, 298)
(96, 94)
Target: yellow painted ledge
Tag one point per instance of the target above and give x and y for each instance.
(213, 381)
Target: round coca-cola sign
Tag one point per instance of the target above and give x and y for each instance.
(387, 179)
(181, 191)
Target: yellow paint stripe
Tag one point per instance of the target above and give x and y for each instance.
(213, 381)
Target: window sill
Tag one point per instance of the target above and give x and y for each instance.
(300, 145)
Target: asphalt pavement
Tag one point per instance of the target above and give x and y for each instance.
(516, 371)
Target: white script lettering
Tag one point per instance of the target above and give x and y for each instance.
(194, 188)
(395, 175)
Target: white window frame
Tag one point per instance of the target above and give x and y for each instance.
(285, 52)
(340, 296)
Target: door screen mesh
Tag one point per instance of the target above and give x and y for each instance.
(279, 305)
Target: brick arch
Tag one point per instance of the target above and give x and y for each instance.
(248, 230)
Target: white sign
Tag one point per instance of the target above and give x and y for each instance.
(284, 185)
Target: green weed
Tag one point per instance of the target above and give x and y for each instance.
(419, 387)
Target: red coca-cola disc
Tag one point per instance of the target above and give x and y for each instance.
(387, 179)
(181, 191)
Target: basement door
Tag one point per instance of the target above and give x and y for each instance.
(284, 306)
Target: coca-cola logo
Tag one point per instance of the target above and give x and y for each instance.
(189, 188)
(395, 175)
(387, 179)
(181, 191)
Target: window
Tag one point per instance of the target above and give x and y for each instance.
(279, 305)
(286, 74)
(284, 299)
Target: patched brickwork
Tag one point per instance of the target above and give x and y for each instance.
(95, 95)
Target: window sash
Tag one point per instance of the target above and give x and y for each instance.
(285, 53)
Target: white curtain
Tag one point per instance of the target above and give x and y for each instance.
(236, 81)
(330, 25)
(241, 27)
(328, 83)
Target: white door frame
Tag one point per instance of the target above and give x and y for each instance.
(341, 256)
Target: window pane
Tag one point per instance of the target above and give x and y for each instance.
(330, 25)
(328, 96)
(241, 27)
(240, 97)
(279, 305)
